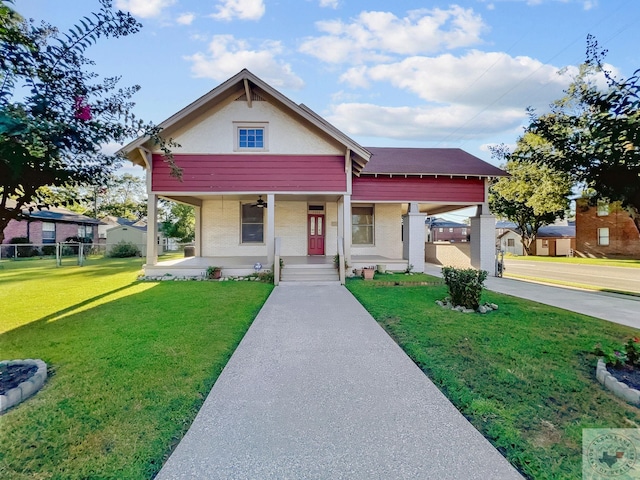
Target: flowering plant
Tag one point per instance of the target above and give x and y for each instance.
(628, 355)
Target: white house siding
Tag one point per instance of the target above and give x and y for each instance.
(517, 248)
(387, 232)
(214, 132)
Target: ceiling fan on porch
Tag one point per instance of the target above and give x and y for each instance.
(260, 203)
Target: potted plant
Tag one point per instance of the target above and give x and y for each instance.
(214, 272)
(357, 272)
(368, 273)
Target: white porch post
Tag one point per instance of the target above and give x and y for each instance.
(271, 228)
(197, 211)
(346, 218)
(152, 229)
(483, 240)
(414, 237)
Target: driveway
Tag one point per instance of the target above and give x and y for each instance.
(614, 278)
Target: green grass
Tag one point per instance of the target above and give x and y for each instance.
(605, 262)
(130, 364)
(523, 375)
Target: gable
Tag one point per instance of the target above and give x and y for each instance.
(215, 131)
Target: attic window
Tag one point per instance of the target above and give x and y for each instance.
(251, 137)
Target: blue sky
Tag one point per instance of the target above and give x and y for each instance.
(405, 73)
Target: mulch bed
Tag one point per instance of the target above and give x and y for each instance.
(628, 376)
(13, 375)
(407, 284)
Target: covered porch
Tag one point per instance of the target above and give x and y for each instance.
(240, 266)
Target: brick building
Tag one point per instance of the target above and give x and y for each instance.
(51, 226)
(441, 230)
(605, 230)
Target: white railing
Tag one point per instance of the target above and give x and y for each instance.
(341, 260)
(276, 262)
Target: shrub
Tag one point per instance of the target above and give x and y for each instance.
(25, 251)
(465, 285)
(124, 249)
(619, 357)
(48, 250)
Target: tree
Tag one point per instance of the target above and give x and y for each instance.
(55, 114)
(180, 223)
(532, 195)
(595, 134)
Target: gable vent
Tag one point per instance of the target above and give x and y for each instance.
(254, 97)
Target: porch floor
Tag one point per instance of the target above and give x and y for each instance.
(196, 266)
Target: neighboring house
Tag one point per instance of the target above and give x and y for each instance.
(441, 230)
(263, 171)
(50, 226)
(552, 240)
(133, 233)
(605, 230)
(110, 221)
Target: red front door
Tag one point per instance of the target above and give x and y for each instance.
(315, 229)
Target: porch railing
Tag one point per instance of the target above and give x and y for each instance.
(276, 262)
(341, 260)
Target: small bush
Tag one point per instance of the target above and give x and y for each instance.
(124, 249)
(465, 285)
(48, 250)
(26, 251)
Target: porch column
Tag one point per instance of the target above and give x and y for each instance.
(414, 237)
(483, 241)
(346, 228)
(197, 212)
(152, 229)
(271, 228)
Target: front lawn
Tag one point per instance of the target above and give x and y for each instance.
(523, 375)
(130, 363)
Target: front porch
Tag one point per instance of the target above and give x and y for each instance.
(240, 266)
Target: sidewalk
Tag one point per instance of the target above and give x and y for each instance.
(318, 390)
(616, 308)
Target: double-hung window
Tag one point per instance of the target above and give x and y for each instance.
(362, 225)
(85, 231)
(603, 236)
(252, 224)
(48, 232)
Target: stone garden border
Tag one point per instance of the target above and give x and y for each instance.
(619, 389)
(19, 394)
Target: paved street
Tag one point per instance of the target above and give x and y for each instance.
(616, 278)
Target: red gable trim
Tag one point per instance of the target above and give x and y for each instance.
(427, 189)
(243, 173)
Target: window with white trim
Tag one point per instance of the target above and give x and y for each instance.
(362, 225)
(48, 232)
(252, 228)
(603, 208)
(85, 231)
(603, 236)
(251, 137)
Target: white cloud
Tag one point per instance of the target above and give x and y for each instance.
(476, 79)
(144, 8)
(186, 18)
(329, 3)
(226, 56)
(373, 36)
(242, 9)
(426, 123)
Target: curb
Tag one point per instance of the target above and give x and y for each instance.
(19, 394)
(619, 389)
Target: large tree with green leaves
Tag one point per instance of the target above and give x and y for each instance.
(180, 222)
(594, 133)
(55, 113)
(532, 195)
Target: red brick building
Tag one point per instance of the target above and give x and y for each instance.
(605, 230)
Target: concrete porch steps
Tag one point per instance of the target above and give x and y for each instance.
(310, 273)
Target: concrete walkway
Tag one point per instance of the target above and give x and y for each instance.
(622, 309)
(318, 390)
